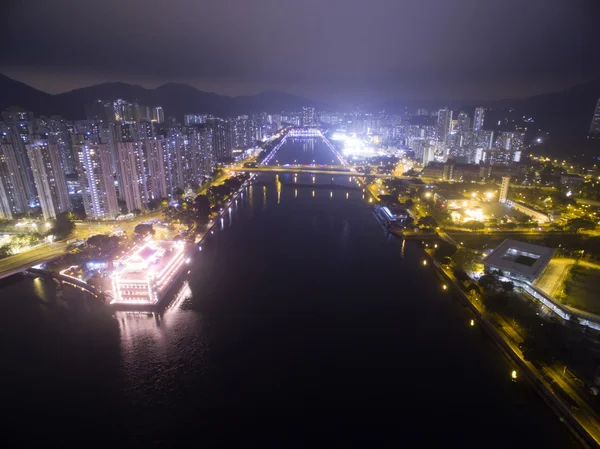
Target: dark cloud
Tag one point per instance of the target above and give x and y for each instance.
(342, 49)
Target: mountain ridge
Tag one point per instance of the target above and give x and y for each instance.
(177, 99)
(565, 114)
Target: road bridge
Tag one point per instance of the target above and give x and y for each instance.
(313, 170)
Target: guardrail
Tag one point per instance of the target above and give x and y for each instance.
(69, 280)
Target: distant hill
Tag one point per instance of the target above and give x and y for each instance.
(564, 114)
(16, 93)
(176, 99)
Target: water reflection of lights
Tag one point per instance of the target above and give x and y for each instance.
(140, 325)
(185, 292)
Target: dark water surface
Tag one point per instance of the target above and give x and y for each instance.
(305, 325)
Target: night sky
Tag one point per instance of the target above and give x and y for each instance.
(337, 50)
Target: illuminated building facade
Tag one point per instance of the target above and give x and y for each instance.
(443, 124)
(13, 180)
(308, 116)
(49, 177)
(478, 119)
(96, 181)
(133, 175)
(143, 276)
(158, 115)
(156, 173)
(504, 189)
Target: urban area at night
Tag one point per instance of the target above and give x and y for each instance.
(199, 258)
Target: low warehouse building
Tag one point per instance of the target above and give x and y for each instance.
(519, 260)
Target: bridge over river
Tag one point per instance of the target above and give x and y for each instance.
(313, 170)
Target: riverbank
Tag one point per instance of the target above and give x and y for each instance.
(580, 418)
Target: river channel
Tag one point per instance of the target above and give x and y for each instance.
(302, 323)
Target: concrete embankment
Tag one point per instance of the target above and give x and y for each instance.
(531, 373)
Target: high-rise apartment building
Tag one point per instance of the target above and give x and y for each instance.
(443, 124)
(49, 178)
(156, 172)
(201, 153)
(6, 211)
(195, 119)
(478, 119)
(14, 181)
(463, 122)
(58, 134)
(482, 139)
(504, 189)
(96, 180)
(220, 150)
(309, 117)
(158, 115)
(17, 135)
(178, 162)
(133, 172)
(510, 140)
(595, 125)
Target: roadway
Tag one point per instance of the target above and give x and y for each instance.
(83, 230)
(20, 262)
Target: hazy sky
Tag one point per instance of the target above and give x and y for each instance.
(337, 50)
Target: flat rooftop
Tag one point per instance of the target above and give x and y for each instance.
(450, 195)
(523, 258)
(148, 260)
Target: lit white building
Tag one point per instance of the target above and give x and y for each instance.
(158, 115)
(308, 116)
(478, 119)
(504, 189)
(443, 124)
(143, 276)
(96, 180)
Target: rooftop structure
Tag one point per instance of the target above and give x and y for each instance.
(453, 200)
(519, 260)
(142, 276)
